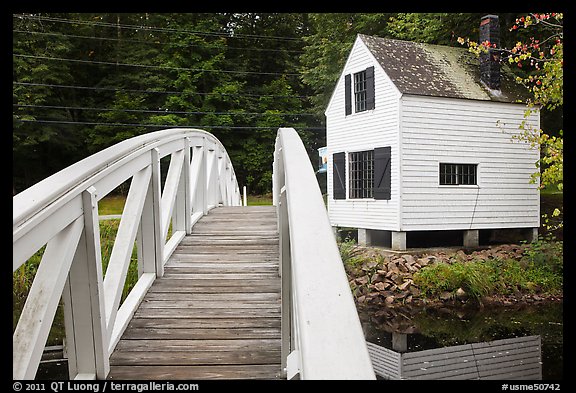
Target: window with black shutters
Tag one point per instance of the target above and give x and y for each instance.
(458, 174)
(363, 88)
(361, 172)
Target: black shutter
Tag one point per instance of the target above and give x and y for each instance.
(370, 88)
(382, 173)
(339, 175)
(348, 94)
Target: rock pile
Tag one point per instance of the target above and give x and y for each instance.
(384, 278)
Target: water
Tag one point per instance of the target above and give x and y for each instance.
(422, 329)
(411, 330)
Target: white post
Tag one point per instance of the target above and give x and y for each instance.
(244, 197)
(155, 184)
(286, 293)
(198, 178)
(222, 196)
(187, 187)
(212, 183)
(179, 211)
(149, 233)
(84, 300)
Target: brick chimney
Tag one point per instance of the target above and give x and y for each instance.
(490, 62)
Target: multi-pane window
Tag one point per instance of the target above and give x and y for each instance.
(458, 174)
(361, 171)
(364, 91)
(360, 89)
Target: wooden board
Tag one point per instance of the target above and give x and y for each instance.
(216, 311)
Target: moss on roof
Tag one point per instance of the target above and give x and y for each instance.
(440, 71)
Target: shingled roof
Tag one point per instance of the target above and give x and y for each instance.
(441, 71)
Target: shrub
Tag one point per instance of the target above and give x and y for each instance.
(350, 253)
(475, 278)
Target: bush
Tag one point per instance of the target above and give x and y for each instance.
(350, 253)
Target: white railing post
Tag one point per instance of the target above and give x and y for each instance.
(83, 300)
(285, 307)
(186, 173)
(198, 180)
(155, 184)
(222, 196)
(179, 210)
(149, 243)
(212, 188)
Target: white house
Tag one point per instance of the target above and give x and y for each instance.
(420, 138)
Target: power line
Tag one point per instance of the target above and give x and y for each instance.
(159, 125)
(153, 66)
(148, 91)
(158, 29)
(129, 40)
(160, 111)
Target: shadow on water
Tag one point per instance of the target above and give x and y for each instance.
(412, 330)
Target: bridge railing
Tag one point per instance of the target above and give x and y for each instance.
(61, 213)
(321, 333)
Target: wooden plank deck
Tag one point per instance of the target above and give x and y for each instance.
(216, 312)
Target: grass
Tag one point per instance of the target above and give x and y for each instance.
(259, 200)
(111, 204)
(539, 270)
(114, 204)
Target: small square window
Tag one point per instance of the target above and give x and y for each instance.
(458, 174)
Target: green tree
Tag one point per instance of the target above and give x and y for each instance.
(539, 59)
(83, 82)
(41, 150)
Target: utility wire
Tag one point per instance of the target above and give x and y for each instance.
(158, 29)
(158, 125)
(159, 111)
(154, 91)
(128, 40)
(153, 66)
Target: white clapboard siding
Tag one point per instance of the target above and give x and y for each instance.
(506, 359)
(435, 130)
(364, 131)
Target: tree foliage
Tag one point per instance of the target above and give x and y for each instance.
(540, 56)
(82, 82)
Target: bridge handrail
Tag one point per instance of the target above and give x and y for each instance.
(61, 212)
(322, 337)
